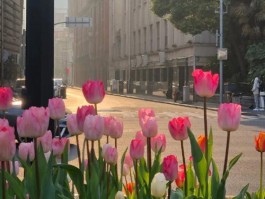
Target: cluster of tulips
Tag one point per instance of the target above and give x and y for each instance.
(43, 153)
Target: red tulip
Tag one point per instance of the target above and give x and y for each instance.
(45, 141)
(26, 151)
(229, 116)
(178, 128)
(58, 145)
(140, 135)
(137, 149)
(130, 187)
(113, 127)
(158, 142)
(6, 96)
(201, 142)
(181, 176)
(111, 155)
(93, 91)
(72, 124)
(33, 122)
(260, 142)
(205, 84)
(94, 127)
(170, 167)
(149, 126)
(57, 108)
(7, 143)
(82, 113)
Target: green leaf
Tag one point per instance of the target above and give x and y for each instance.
(156, 167)
(122, 162)
(199, 162)
(15, 185)
(234, 161)
(191, 180)
(210, 147)
(242, 193)
(76, 176)
(215, 180)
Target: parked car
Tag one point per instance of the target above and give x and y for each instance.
(59, 89)
(18, 87)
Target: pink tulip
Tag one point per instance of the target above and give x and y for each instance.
(113, 127)
(125, 170)
(45, 141)
(57, 108)
(104, 149)
(93, 91)
(26, 151)
(58, 145)
(128, 160)
(72, 124)
(178, 128)
(33, 122)
(158, 142)
(170, 167)
(85, 164)
(137, 149)
(205, 84)
(94, 127)
(140, 135)
(145, 112)
(4, 122)
(82, 113)
(7, 143)
(229, 116)
(111, 155)
(16, 165)
(149, 126)
(6, 96)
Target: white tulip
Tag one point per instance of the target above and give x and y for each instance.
(159, 185)
(119, 195)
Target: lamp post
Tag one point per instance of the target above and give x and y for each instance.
(221, 12)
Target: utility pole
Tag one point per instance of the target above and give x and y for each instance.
(2, 41)
(221, 12)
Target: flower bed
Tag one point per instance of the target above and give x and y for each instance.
(97, 174)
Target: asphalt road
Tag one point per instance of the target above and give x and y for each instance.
(247, 169)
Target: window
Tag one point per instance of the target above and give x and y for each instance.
(158, 35)
(139, 41)
(151, 37)
(134, 42)
(144, 39)
(166, 34)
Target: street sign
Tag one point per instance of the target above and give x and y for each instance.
(72, 22)
(222, 54)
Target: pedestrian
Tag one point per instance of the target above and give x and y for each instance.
(255, 90)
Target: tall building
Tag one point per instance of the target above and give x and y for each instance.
(63, 39)
(11, 19)
(91, 44)
(150, 53)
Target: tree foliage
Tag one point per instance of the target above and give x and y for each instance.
(244, 24)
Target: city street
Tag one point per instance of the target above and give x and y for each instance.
(246, 170)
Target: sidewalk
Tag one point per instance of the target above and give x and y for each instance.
(197, 104)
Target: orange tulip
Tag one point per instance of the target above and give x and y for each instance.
(201, 142)
(260, 142)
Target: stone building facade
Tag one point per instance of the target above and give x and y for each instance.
(11, 19)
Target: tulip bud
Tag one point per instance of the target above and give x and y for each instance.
(170, 167)
(260, 142)
(178, 128)
(119, 195)
(137, 149)
(58, 145)
(111, 155)
(26, 151)
(7, 143)
(45, 141)
(93, 91)
(158, 185)
(229, 116)
(82, 113)
(94, 127)
(57, 108)
(72, 125)
(158, 143)
(6, 97)
(149, 126)
(140, 135)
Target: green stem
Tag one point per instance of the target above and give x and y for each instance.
(261, 174)
(37, 168)
(3, 179)
(226, 151)
(96, 108)
(206, 141)
(149, 162)
(92, 151)
(136, 179)
(185, 169)
(108, 175)
(78, 151)
(88, 157)
(169, 190)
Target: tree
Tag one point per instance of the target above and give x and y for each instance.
(243, 25)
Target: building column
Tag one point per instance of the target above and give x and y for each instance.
(39, 52)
